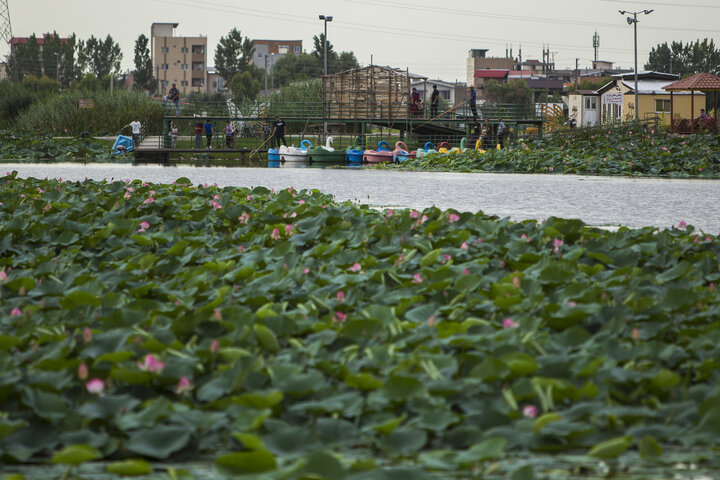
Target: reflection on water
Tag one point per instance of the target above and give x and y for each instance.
(605, 201)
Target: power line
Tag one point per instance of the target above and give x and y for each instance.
(681, 5)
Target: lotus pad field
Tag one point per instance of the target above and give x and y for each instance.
(285, 336)
(611, 150)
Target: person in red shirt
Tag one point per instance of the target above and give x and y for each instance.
(198, 134)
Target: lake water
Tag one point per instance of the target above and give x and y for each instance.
(601, 201)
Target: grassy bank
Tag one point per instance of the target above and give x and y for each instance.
(285, 334)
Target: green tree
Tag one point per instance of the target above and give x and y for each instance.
(685, 59)
(291, 68)
(143, 79)
(233, 54)
(244, 86)
(88, 83)
(100, 57)
(43, 87)
(344, 61)
(25, 60)
(337, 62)
(516, 92)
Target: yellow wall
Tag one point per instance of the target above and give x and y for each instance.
(681, 105)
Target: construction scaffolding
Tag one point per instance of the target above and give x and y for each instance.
(371, 92)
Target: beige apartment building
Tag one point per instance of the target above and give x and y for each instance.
(178, 60)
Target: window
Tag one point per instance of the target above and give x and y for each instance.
(662, 106)
(199, 66)
(164, 66)
(198, 82)
(260, 55)
(283, 49)
(590, 103)
(198, 49)
(165, 50)
(184, 66)
(183, 83)
(296, 49)
(184, 50)
(163, 83)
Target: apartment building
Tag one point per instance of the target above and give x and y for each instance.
(267, 52)
(178, 60)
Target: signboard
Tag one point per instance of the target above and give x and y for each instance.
(616, 98)
(85, 103)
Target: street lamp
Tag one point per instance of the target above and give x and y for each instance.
(634, 21)
(325, 19)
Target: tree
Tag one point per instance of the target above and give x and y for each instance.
(516, 92)
(233, 54)
(685, 59)
(100, 57)
(336, 62)
(319, 52)
(291, 68)
(143, 79)
(44, 87)
(25, 60)
(243, 85)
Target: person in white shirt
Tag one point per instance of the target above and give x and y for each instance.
(136, 127)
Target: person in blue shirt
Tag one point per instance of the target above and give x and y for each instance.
(472, 100)
(209, 132)
(501, 132)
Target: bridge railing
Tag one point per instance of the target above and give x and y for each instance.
(348, 111)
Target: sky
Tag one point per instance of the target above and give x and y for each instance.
(428, 37)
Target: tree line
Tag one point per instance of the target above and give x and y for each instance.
(50, 63)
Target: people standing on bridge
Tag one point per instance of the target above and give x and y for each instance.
(173, 135)
(501, 132)
(485, 135)
(472, 100)
(229, 135)
(174, 96)
(414, 103)
(209, 131)
(198, 134)
(136, 128)
(434, 101)
(278, 134)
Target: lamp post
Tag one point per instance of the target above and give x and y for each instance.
(325, 19)
(634, 21)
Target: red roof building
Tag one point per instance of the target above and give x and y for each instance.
(491, 73)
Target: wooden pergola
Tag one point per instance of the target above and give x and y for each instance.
(701, 82)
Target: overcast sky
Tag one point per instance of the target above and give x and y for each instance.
(431, 38)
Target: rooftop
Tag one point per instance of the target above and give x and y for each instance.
(491, 73)
(701, 81)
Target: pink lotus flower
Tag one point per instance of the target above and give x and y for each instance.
(87, 335)
(356, 267)
(340, 296)
(127, 195)
(244, 218)
(149, 200)
(390, 212)
(275, 234)
(16, 312)
(530, 411)
(3, 276)
(447, 257)
(184, 386)
(95, 386)
(466, 271)
(682, 225)
(214, 346)
(289, 230)
(550, 169)
(510, 323)
(464, 246)
(306, 271)
(452, 218)
(636, 334)
(571, 304)
(143, 226)
(83, 372)
(339, 317)
(249, 198)
(417, 279)
(414, 214)
(217, 314)
(241, 249)
(516, 282)
(557, 244)
(215, 205)
(431, 321)
(216, 197)
(151, 364)
(47, 207)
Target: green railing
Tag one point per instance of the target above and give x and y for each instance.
(347, 112)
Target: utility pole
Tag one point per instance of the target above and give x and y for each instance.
(5, 25)
(577, 72)
(325, 19)
(266, 71)
(634, 21)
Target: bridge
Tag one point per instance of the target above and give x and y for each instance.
(342, 121)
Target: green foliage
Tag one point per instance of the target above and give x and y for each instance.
(143, 78)
(233, 54)
(292, 68)
(631, 149)
(336, 62)
(60, 114)
(97, 56)
(43, 87)
(295, 337)
(685, 59)
(590, 84)
(244, 87)
(514, 92)
(16, 146)
(14, 98)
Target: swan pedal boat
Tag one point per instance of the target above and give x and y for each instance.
(325, 153)
(295, 153)
(402, 153)
(382, 154)
(355, 153)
